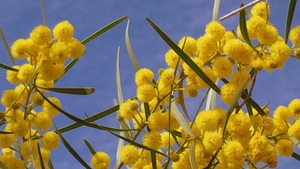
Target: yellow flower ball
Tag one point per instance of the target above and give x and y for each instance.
(15, 163)
(222, 67)
(26, 72)
(145, 93)
(7, 140)
(100, 160)
(157, 121)
(63, 31)
(168, 76)
(49, 109)
(295, 35)
(152, 140)
(21, 128)
(172, 59)
(42, 121)
(41, 35)
(188, 45)
(20, 48)
(285, 147)
(50, 140)
(228, 91)
(9, 97)
(129, 155)
(76, 48)
(215, 29)
(59, 52)
(261, 9)
(12, 76)
(206, 121)
(143, 76)
(167, 140)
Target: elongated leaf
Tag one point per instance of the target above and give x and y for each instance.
(153, 159)
(216, 10)
(6, 132)
(234, 102)
(50, 165)
(75, 91)
(7, 47)
(129, 49)
(92, 150)
(181, 119)
(243, 28)
(2, 165)
(4, 66)
(40, 156)
(93, 36)
(184, 57)
(91, 118)
(296, 156)
(211, 102)
(80, 121)
(137, 144)
(118, 78)
(71, 150)
(289, 19)
(192, 154)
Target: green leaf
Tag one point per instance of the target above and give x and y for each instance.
(94, 117)
(71, 150)
(216, 10)
(4, 66)
(2, 165)
(7, 47)
(234, 102)
(102, 30)
(118, 78)
(93, 36)
(184, 57)
(50, 165)
(137, 144)
(296, 156)
(153, 159)
(40, 156)
(129, 49)
(289, 19)
(192, 154)
(243, 28)
(6, 132)
(92, 150)
(75, 91)
(78, 120)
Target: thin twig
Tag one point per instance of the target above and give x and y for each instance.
(239, 9)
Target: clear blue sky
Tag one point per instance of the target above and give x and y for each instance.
(97, 67)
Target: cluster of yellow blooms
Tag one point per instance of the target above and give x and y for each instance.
(241, 141)
(25, 128)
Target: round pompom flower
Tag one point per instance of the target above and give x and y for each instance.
(20, 48)
(152, 140)
(9, 97)
(167, 140)
(20, 128)
(157, 121)
(294, 130)
(50, 140)
(188, 45)
(49, 109)
(42, 121)
(206, 120)
(295, 35)
(76, 48)
(146, 93)
(129, 154)
(59, 52)
(168, 76)
(25, 72)
(294, 107)
(12, 76)
(63, 31)
(268, 36)
(15, 163)
(215, 29)
(41, 35)
(100, 160)
(222, 67)
(228, 91)
(6, 140)
(261, 9)
(285, 147)
(172, 58)
(128, 109)
(143, 76)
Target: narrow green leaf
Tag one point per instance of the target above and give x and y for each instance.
(43, 12)
(211, 102)
(93, 36)
(6, 132)
(118, 78)
(7, 47)
(216, 10)
(74, 91)
(104, 29)
(129, 49)
(183, 123)
(235, 101)
(196, 69)
(89, 119)
(289, 19)
(243, 28)
(4, 66)
(50, 164)
(71, 150)
(78, 120)
(184, 57)
(193, 154)
(2, 165)
(92, 150)
(40, 156)
(296, 156)
(153, 159)
(137, 144)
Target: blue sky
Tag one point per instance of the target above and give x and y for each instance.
(97, 67)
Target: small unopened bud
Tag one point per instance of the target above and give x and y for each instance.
(120, 118)
(175, 157)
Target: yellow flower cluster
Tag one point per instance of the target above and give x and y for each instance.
(25, 128)
(220, 141)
